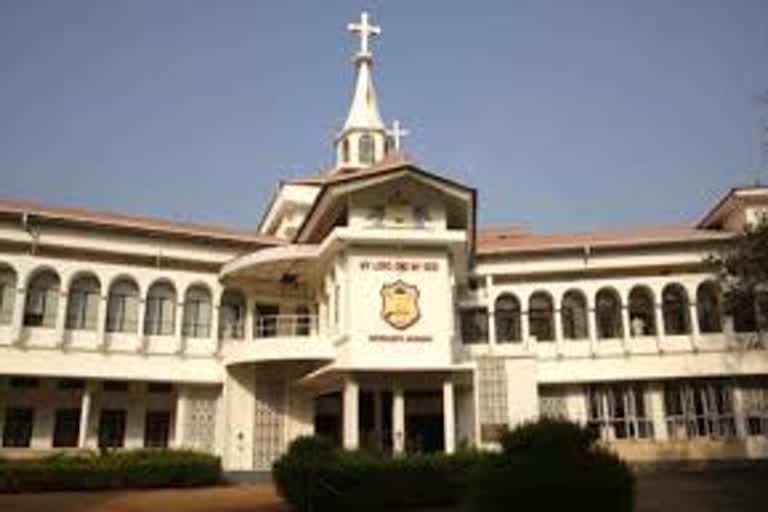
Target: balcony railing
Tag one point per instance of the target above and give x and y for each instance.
(281, 326)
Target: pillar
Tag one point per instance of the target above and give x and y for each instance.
(449, 417)
(214, 334)
(141, 320)
(693, 318)
(739, 412)
(525, 330)
(558, 318)
(592, 326)
(101, 326)
(61, 317)
(18, 315)
(351, 416)
(85, 413)
(177, 332)
(180, 416)
(659, 324)
(656, 412)
(398, 420)
(626, 329)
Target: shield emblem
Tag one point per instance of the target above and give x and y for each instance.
(400, 304)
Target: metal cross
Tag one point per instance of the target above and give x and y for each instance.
(397, 133)
(365, 30)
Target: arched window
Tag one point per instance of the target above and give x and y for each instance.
(541, 317)
(608, 314)
(83, 303)
(160, 313)
(232, 315)
(708, 307)
(196, 322)
(42, 301)
(365, 149)
(674, 307)
(642, 317)
(507, 317)
(123, 307)
(7, 294)
(573, 312)
(303, 320)
(345, 151)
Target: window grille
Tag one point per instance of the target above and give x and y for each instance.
(699, 409)
(619, 411)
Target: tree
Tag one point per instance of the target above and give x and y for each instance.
(743, 269)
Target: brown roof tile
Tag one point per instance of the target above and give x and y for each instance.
(137, 223)
(518, 239)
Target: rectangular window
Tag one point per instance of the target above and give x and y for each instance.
(474, 325)
(755, 398)
(159, 387)
(17, 430)
(618, 411)
(66, 429)
(24, 382)
(157, 426)
(71, 384)
(265, 320)
(115, 386)
(699, 408)
(112, 428)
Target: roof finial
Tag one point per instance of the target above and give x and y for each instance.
(365, 30)
(396, 133)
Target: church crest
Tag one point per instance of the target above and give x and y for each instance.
(400, 304)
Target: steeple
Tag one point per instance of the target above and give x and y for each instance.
(363, 139)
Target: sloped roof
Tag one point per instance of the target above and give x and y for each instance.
(154, 225)
(517, 239)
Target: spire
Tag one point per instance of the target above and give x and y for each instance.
(363, 138)
(364, 111)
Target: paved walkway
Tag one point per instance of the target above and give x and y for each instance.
(678, 492)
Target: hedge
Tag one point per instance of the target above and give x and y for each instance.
(113, 470)
(550, 465)
(543, 466)
(315, 476)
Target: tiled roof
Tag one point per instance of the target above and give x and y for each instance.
(134, 223)
(338, 174)
(517, 239)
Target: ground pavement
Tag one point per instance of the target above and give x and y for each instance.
(737, 491)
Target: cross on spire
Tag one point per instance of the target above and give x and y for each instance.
(365, 30)
(397, 132)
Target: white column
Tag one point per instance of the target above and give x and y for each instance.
(398, 420)
(525, 330)
(180, 341)
(61, 317)
(215, 328)
(659, 324)
(85, 413)
(558, 318)
(248, 326)
(378, 419)
(101, 325)
(656, 412)
(350, 408)
(18, 314)
(693, 315)
(626, 327)
(592, 325)
(180, 416)
(489, 293)
(449, 417)
(739, 412)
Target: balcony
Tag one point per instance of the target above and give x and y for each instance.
(280, 338)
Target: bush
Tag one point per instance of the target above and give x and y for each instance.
(315, 476)
(129, 469)
(551, 465)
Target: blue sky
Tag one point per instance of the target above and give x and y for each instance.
(565, 115)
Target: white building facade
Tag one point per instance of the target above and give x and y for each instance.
(368, 307)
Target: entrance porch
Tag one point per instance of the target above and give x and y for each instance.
(398, 413)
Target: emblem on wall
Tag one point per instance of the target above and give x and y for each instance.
(400, 304)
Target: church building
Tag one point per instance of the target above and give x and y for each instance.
(367, 306)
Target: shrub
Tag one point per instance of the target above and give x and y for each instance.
(551, 465)
(128, 469)
(315, 476)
